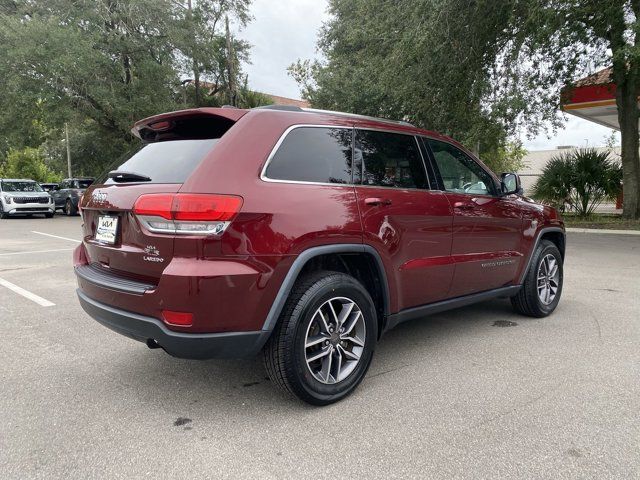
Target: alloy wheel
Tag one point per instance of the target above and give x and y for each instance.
(548, 279)
(335, 340)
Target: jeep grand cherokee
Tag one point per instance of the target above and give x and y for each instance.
(304, 235)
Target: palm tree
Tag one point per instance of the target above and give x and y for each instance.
(583, 179)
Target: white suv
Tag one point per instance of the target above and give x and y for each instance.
(24, 197)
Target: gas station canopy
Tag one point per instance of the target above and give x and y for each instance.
(593, 98)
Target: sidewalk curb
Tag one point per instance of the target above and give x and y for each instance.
(602, 230)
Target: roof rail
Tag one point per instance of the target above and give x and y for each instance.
(286, 108)
(293, 108)
(356, 115)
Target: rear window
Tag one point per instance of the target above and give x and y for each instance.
(311, 154)
(167, 162)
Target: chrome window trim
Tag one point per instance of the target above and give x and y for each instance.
(398, 188)
(265, 178)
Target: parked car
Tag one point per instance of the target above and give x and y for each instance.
(67, 194)
(48, 187)
(304, 235)
(23, 197)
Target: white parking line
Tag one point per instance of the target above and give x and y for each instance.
(56, 236)
(36, 251)
(26, 294)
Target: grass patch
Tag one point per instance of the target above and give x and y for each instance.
(607, 221)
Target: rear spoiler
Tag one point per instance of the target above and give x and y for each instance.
(191, 123)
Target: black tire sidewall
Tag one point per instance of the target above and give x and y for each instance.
(544, 249)
(302, 378)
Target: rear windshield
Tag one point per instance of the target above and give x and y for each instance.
(167, 162)
(20, 187)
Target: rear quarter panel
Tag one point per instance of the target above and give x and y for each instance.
(277, 220)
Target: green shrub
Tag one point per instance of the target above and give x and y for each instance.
(581, 179)
(28, 163)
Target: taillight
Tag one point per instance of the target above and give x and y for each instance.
(187, 213)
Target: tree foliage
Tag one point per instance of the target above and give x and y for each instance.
(28, 163)
(581, 179)
(425, 61)
(482, 71)
(102, 65)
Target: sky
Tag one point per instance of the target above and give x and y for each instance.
(283, 31)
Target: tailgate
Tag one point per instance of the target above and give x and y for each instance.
(135, 252)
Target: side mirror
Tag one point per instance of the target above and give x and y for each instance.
(511, 184)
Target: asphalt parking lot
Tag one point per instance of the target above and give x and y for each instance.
(451, 396)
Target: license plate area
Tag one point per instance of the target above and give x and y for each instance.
(107, 229)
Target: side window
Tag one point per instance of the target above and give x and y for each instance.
(313, 154)
(390, 160)
(459, 172)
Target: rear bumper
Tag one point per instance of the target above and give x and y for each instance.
(182, 345)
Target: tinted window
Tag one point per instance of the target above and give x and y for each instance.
(20, 187)
(390, 160)
(167, 162)
(459, 172)
(84, 183)
(310, 154)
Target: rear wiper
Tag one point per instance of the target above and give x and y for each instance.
(122, 177)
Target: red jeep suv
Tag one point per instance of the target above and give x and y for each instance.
(304, 235)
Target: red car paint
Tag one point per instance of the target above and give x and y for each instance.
(434, 245)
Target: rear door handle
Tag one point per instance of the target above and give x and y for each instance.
(374, 201)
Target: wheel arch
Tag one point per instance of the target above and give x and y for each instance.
(557, 237)
(554, 234)
(358, 260)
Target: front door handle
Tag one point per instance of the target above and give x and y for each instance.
(374, 201)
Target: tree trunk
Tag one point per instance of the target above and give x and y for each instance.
(196, 82)
(196, 69)
(628, 114)
(230, 69)
(126, 61)
(626, 74)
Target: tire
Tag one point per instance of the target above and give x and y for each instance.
(69, 209)
(530, 301)
(285, 356)
(2, 214)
